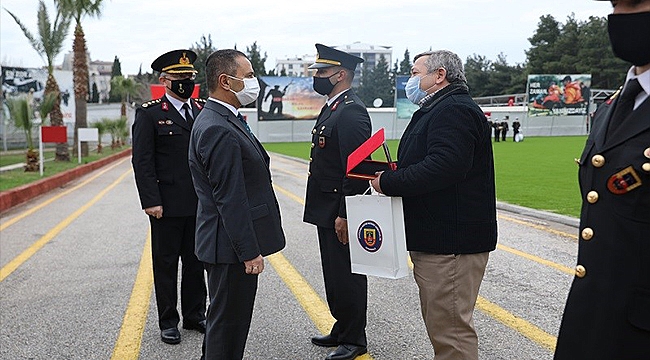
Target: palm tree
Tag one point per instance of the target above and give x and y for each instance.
(124, 88)
(78, 9)
(48, 45)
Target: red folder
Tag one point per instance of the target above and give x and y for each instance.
(360, 166)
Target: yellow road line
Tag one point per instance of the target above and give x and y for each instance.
(20, 259)
(536, 259)
(539, 227)
(518, 324)
(49, 201)
(135, 317)
(310, 301)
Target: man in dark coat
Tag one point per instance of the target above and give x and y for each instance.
(515, 128)
(445, 177)
(504, 128)
(607, 315)
(342, 126)
(161, 134)
(238, 221)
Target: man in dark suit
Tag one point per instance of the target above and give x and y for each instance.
(445, 177)
(607, 313)
(515, 128)
(342, 126)
(238, 219)
(161, 134)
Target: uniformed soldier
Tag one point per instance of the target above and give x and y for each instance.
(342, 126)
(607, 315)
(161, 134)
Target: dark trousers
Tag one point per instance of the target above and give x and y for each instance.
(171, 238)
(346, 292)
(232, 296)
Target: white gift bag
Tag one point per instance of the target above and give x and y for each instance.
(377, 236)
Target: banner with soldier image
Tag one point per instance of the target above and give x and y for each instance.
(558, 95)
(288, 98)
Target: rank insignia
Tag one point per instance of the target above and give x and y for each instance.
(161, 122)
(624, 181)
(369, 236)
(169, 122)
(336, 104)
(321, 142)
(165, 106)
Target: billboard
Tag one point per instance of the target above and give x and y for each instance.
(558, 95)
(288, 98)
(405, 108)
(30, 82)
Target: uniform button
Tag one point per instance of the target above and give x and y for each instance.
(310, 160)
(587, 233)
(313, 131)
(592, 197)
(170, 133)
(576, 160)
(646, 167)
(308, 173)
(646, 153)
(336, 190)
(581, 271)
(598, 160)
(312, 145)
(323, 128)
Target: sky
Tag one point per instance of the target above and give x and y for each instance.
(139, 31)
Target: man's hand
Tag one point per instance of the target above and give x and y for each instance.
(341, 227)
(155, 211)
(254, 266)
(375, 182)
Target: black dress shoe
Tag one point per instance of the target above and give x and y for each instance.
(170, 336)
(324, 340)
(346, 352)
(199, 326)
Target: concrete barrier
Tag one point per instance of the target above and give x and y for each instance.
(21, 194)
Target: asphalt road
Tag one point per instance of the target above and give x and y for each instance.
(75, 283)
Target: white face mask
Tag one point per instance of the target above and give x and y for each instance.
(249, 93)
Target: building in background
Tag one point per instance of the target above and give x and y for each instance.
(99, 73)
(294, 67)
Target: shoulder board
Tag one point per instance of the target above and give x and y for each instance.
(613, 96)
(150, 103)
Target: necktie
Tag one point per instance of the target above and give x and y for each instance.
(625, 104)
(241, 118)
(188, 114)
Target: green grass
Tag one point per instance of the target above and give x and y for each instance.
(539, 172)
(18, 177)
(15, 158)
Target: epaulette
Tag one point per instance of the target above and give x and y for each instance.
(613, 96)
(150, 102)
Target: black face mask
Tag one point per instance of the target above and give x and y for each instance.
(322, 85)
(182, 88)
(630, 37)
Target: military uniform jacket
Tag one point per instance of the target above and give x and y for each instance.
(607, 315)
(160, 142)
(339, 130)
(238, 216)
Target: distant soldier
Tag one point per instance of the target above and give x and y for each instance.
(497, 129)
(515, 128)
(504, 128)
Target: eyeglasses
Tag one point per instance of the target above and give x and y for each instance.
(181, 77)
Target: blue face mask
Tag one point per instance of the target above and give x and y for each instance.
(413, 91)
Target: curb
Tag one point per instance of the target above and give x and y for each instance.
(21, 194)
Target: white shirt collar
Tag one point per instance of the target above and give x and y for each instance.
(178, 104)
(644, 80)
(333, 98)
(228, 106)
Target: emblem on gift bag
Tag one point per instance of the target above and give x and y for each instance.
(369, 236)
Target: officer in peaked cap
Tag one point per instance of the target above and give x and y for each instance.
(342, 126)
(161, 134)
(607, 314)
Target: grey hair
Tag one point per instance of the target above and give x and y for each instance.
(447, 60)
